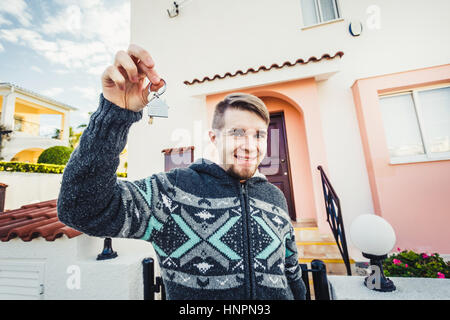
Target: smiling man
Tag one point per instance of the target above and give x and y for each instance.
(239, 132)
(219, 230)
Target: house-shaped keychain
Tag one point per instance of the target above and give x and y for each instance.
(157, 107)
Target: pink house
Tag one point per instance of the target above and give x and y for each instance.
(410, 194)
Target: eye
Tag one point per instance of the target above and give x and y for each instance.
(261, 135)
(238, 133)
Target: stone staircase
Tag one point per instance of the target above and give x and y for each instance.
(313, 245)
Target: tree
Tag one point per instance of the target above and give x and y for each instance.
(74, 138)
(4, 133)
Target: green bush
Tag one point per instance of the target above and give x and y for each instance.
(56, 155)
(15, 166)
(411, 264)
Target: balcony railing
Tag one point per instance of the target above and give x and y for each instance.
(34, 128)
(26, 126)
(334, 218)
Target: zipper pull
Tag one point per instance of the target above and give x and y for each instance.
(243, 188)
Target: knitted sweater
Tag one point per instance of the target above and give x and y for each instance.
(214, 237)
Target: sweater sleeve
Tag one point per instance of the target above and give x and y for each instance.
(91, 198)
(292, 268)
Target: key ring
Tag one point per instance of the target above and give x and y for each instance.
(157, 93)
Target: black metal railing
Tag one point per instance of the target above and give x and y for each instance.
(334, 218)
(319, 278)
(153, 285)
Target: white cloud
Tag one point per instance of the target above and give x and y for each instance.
(37, 69)
(52, 92)
(19, 10)
(83, 36)
(4, 21)
(69, 20)
(2, 48)
(89, 93)
(9, 35)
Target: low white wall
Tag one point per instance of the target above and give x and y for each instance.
(26, 188)
(65, 259)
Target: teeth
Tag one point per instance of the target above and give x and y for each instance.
(243, 158)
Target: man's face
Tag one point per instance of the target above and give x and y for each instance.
(241, 143)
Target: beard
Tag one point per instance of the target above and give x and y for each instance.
(243, 173)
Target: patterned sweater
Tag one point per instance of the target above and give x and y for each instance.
(214, 237)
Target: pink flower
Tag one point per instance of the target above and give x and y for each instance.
(406, 265)
(398, 249)
(424, 255)
(441, 275)
(396, 261)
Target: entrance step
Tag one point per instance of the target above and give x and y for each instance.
(313, 245)
(334, 266)
(318, 250)
(305, 223)
(311, 234)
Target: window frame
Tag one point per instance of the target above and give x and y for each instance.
(428, 156)
(319, 14)
(169, 165)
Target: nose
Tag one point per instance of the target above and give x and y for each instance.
(250, 145)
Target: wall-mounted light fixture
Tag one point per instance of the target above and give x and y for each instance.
(355, 28)
(177, 5)
(375, 237)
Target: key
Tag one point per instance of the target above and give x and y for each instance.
(156, 107)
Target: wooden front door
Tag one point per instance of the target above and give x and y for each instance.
(275, 166)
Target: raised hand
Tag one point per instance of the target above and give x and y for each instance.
(125, 82)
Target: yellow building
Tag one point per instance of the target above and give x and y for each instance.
(20, 112)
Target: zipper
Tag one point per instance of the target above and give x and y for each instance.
(247, 226)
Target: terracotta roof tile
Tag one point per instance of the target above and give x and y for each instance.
(32, 221)
(265, 68)
(177, 150)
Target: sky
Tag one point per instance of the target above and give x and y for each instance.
(60, 48)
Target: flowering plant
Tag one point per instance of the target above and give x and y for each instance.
(408, 263)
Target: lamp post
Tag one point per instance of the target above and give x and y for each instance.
(375, 237)
(108, 252)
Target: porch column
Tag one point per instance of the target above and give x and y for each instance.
(65, 128)
(8, 107)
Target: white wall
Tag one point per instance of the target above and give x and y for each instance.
(65, 259)
(214, 37)
(26, 188)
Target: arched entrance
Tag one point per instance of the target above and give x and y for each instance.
(288, 165)
(30, 155)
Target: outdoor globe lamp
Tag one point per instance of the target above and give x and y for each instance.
(375, 237)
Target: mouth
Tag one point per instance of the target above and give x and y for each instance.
(245, 160)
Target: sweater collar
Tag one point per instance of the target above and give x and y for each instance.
(209, 167)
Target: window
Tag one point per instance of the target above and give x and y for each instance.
(417, 124)
(178, 157)
(319, 11)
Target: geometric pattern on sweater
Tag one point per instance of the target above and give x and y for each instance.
(182, 197)
(201, 241)
(203, 244)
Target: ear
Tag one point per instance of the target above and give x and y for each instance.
(212, 136)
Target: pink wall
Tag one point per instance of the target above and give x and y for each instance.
(299, 101)
(413, 197)
(299, 162)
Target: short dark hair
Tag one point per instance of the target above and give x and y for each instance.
(241, 101)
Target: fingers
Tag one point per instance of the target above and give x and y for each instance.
(115, 76)
(124, 60)
(141, 54)
(135, 63)
(151, 73)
